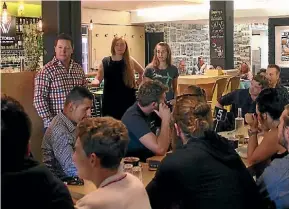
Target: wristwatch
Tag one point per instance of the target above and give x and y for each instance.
(251, 133)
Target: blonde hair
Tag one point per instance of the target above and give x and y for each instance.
(128, 76)
(155, 62)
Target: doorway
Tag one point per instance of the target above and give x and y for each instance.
(151, 40)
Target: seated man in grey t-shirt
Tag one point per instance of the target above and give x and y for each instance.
(145, 142)
(274, 182)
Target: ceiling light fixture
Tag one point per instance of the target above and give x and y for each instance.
(4, 17)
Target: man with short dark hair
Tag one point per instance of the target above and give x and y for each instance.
(59, 139)
(144, 139)
(273, 75)
(56, 79)
(24, 182)
(244, 98)
(99, 149)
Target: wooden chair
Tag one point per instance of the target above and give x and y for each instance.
(232, 84)
(218, 90)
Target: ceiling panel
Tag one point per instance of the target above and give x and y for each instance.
(133, 5)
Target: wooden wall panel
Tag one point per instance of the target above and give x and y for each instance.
(20, 86)
(101, 44)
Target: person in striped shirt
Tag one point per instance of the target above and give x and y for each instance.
(56, 79)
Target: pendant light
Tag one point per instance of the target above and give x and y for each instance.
(4, 18)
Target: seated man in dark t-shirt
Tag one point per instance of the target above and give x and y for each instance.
(146, 140)
(244, 98)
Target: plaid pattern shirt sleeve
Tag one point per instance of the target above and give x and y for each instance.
(52, 84)
(41, 94)
(63, 151)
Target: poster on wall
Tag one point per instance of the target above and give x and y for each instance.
(8, 31)
(282, 46)
(285, 46)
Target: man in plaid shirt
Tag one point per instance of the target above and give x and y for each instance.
(56, 79)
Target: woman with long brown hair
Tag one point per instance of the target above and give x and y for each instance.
(161, 69)
(118, 71)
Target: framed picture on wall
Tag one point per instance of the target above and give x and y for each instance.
(282, 46)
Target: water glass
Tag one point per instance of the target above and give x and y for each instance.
(127, 168)
(137, 171)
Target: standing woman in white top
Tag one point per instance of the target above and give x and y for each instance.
(161, 69)
(118, 71)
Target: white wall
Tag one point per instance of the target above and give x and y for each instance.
(264, 49)
(105, 16)
(262, 42)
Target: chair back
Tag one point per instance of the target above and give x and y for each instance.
(218, 90)
(232, 84)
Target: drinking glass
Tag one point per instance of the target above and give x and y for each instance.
(137, 171)
(127, 168)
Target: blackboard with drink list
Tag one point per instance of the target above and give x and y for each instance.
(217, 34)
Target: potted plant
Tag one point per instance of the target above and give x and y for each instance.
(33, 47)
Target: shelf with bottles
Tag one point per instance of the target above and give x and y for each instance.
(21, 22)
(13, 52)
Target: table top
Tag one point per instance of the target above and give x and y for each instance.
(78, 192)
(202, 76)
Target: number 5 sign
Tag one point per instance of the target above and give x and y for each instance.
(220, 114)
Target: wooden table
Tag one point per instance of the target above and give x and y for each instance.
(204, 81)
(78, 192)
(199, 79)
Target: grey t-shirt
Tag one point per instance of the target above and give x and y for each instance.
(166, 76)
(274, 182)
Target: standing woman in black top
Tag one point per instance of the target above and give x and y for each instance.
(118, 71)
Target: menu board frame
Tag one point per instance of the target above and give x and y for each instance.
(280, 58)
(217, 34)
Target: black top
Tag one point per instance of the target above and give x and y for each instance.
(276, 155)
(206, 173)
(239, 98)
(31, 185)
(138, 125)
(117, 97)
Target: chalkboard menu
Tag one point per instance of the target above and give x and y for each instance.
(217, 34)
(8, 32)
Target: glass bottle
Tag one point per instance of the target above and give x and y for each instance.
(240, 127)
